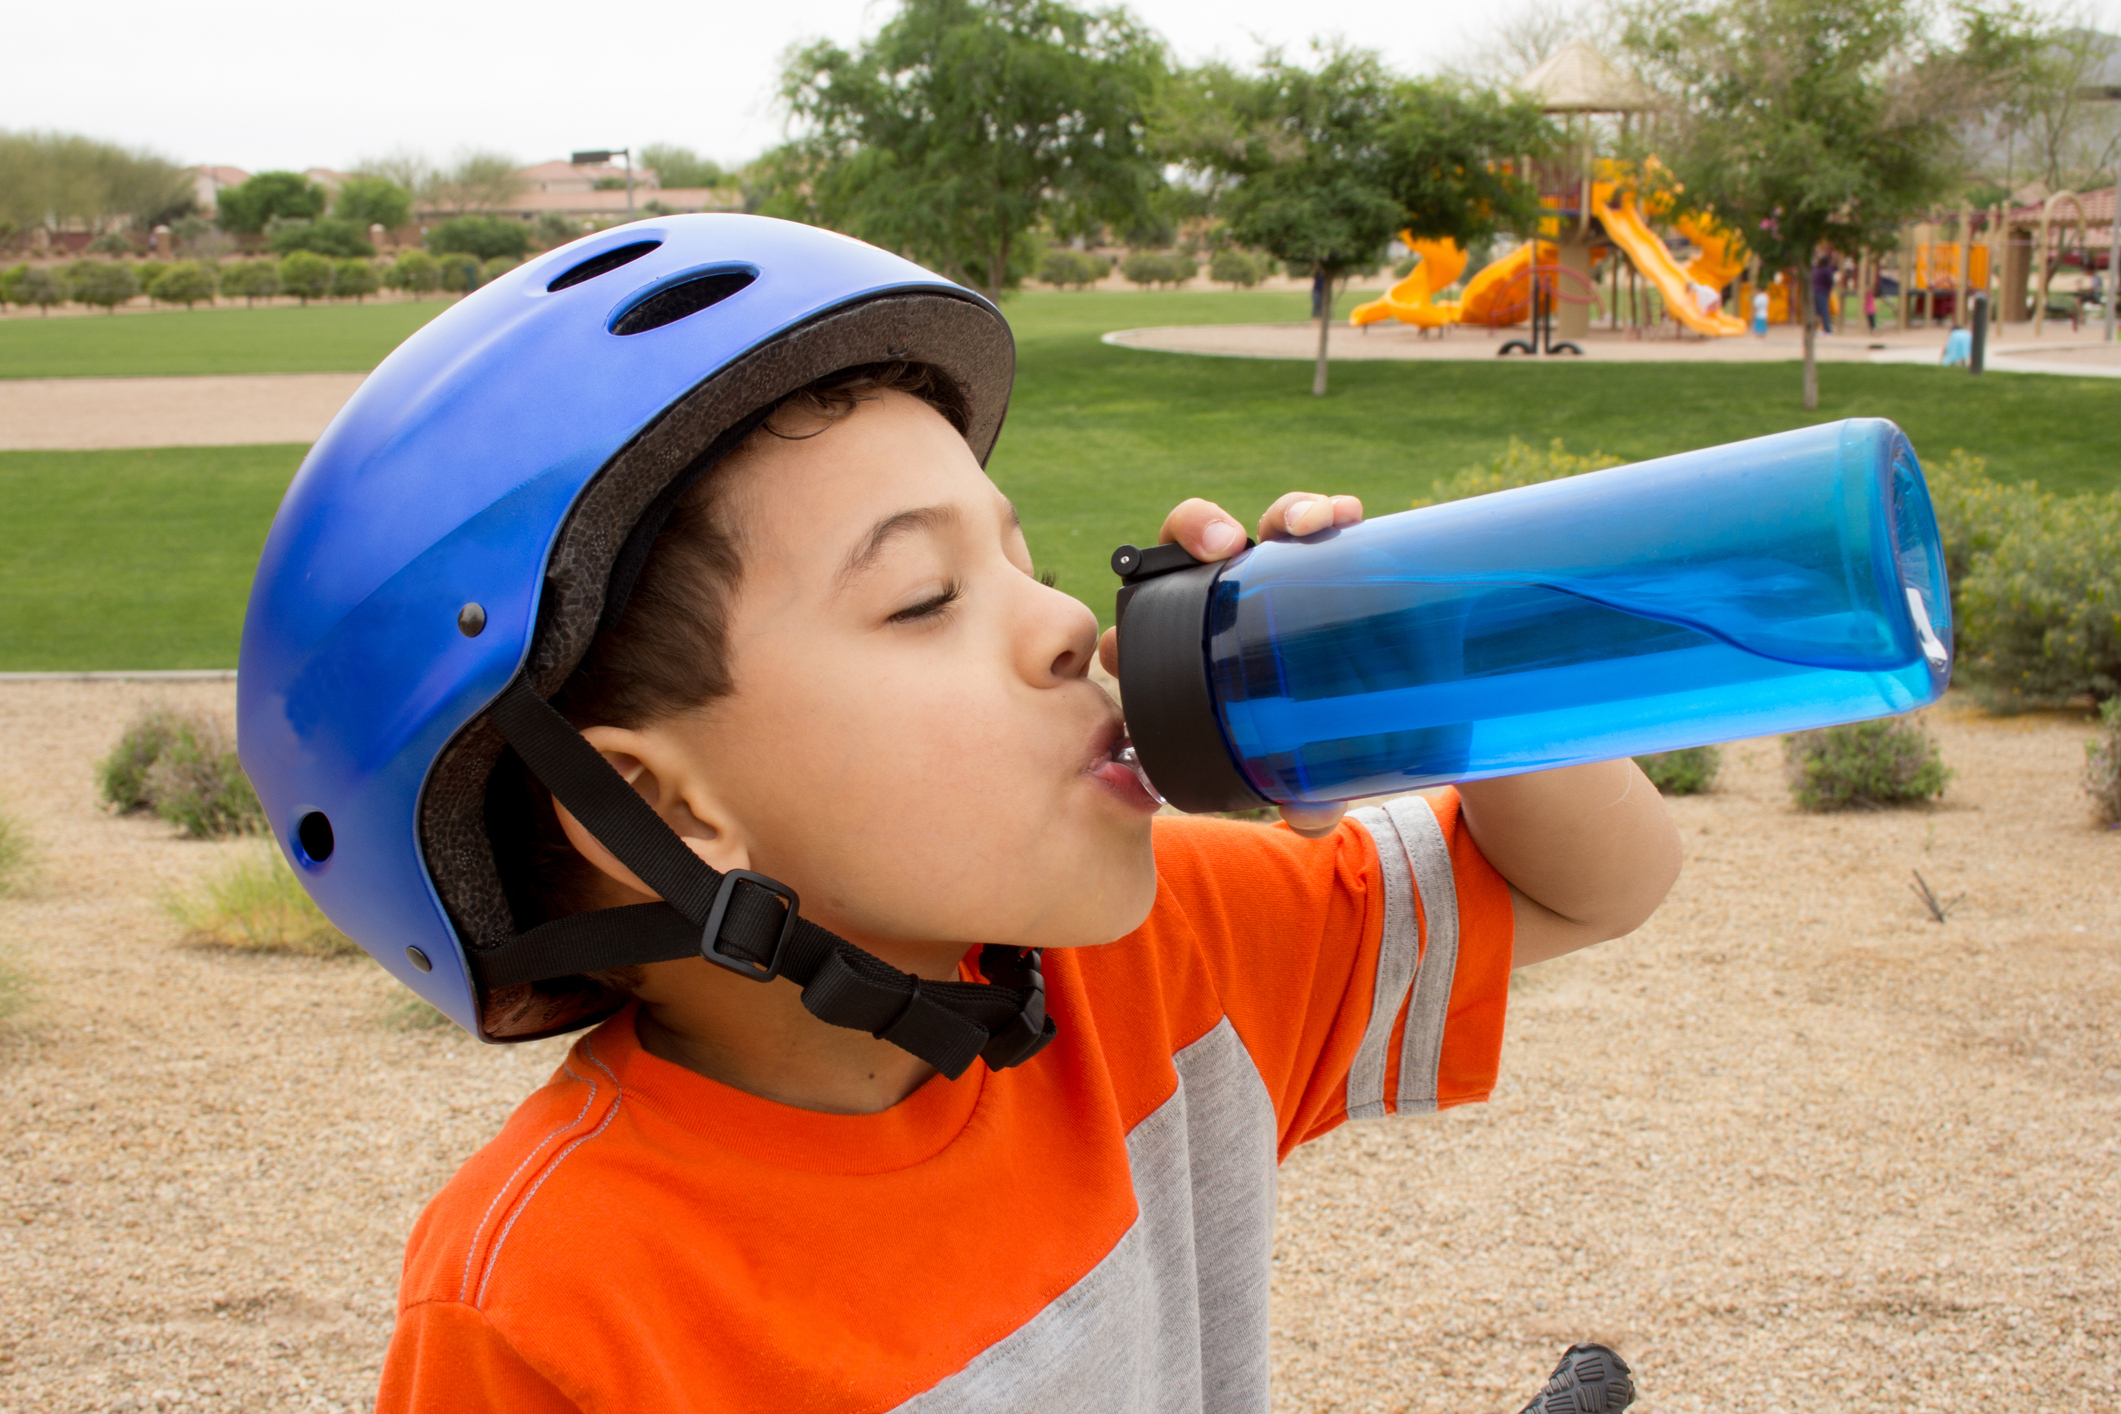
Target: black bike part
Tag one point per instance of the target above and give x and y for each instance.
(1591, 1379)
(746, 923)
(1163, 680)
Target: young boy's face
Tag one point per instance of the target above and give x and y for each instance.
(913, 743)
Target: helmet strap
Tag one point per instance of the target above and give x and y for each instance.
(745, 923)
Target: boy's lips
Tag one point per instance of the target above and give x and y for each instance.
(1119, 771)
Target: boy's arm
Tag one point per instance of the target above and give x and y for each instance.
(1590, 851)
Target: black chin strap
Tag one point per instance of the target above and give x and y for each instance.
(746, 923)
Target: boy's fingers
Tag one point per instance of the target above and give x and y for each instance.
(1108, 651)
(1206, 530)
(1301, 513)
(1312, 821)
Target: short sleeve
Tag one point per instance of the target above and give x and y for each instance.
(1367, 973)
(446, 1358)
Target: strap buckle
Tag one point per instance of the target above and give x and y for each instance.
(711, 935)
(1028, 1032)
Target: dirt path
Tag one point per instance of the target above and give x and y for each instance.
(83, 414)
(1789, 1147)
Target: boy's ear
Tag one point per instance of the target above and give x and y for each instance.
(663, 779)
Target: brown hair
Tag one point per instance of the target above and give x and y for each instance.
(669, 650)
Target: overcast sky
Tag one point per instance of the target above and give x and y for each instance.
(263, 84)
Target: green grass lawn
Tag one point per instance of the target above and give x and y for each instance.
(317, 338)
(143, 559)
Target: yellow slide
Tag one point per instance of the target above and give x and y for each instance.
(1625, 227)
(1722, 257)
(1413, 300)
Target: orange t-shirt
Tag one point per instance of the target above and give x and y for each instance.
(1090, 1231)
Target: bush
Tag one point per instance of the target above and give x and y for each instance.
(110, 243)
(482, 236)
(102, 282)
(255, 903)
(327, 235)
(39, 286)
(1235, 268)
(186, 283)
(416, 273)
(306, 275)
(356, 278)
(1516, 465)
(285, 195)
(147, 272)
(253, 280)
(1894, 761)
(554, 229)
(1064, 267)
(2102, 765)
(1691, 770)
(183, 766)
(2040, 613)
(460, 274)
(1146, 268)
(495, 268)
(372, 201)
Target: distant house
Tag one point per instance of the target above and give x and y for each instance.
(207, 183)
(598, 192)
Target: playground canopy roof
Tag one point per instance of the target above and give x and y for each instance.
(2098, 211)
(1578, 79)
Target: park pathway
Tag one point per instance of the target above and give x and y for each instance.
(87, 414)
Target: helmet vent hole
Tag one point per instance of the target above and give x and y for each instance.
(313, 833)
(675, 302)
(599, 264)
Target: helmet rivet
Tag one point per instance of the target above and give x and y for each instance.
(471, 620)
(418, 959)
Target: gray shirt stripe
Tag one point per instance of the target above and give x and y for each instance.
(1398, 954)
(1430, 858)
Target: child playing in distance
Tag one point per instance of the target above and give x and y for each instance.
(704, 689)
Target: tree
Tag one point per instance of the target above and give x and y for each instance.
(1814, 126)
(327, 235)
(288, 195)
(186, 283)
(676, 166)
(460, 273)
(1235, 268)
(40, 287)
(103, 282)
(252, 280)
(56, 179)
(367, 201)
(478, 180)
(1066, 268)
(1320, 167)
(355, 277)
(305, 275)
(482, 236)
(416, 273)
(965, 124)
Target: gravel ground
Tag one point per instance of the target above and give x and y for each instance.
(80, 414)
(1791, 1147)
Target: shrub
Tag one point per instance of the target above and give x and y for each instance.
(2040, 613)
(1146, 268)
(147, 272)
(460, 274)
(416, 273)
(1691, 770)
(306, 275)
(103, 282)
(252, 279)
(268, 195)
(554, 229)
(1894, 761)
(1516, 465)
(327, 235)
(1235, 268)
(372, 201)
(110, 243)
(39, 286)
(495, 268)
(17, 854)
(356, 278)
(186, 283)
(482, 236)
(255, 903)
(183, 766)
(1064, 267)
(2102, 765)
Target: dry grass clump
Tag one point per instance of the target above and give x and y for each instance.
(1893, 761)
(183, 766)
(254, 903)
(2102, 765)
(14, 988)
(17, 854)
(1691, 770)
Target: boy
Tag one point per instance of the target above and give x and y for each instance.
(934, 1076)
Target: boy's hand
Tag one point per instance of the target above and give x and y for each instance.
(1211, 533)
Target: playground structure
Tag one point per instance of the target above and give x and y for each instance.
(1594, 213)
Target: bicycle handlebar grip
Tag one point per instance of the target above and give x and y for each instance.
(1590, 1379)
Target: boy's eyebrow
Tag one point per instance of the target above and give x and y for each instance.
(885, 531)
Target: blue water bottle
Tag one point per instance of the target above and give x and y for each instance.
(1773, 585)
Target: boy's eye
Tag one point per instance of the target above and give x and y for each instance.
(928, 608)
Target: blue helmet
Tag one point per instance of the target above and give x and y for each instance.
(454, 534)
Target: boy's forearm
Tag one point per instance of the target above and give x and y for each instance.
(1590, 849)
